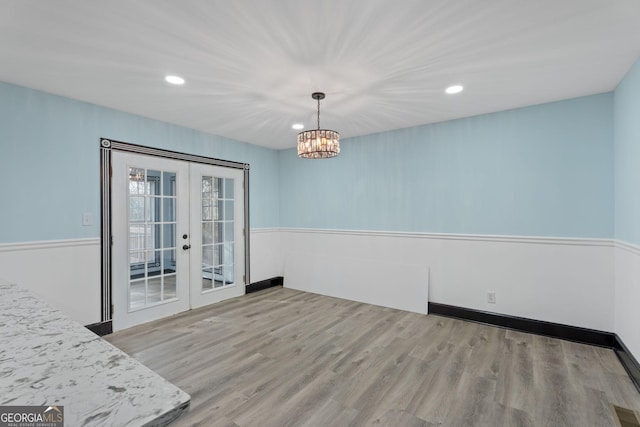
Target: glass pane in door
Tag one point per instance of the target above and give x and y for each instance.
(152, 237)
(217, 220)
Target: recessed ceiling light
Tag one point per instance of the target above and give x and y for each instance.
(174, 80)
(298, 126)
(454, 89)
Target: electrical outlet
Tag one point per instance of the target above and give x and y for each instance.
(491, 297)
(87, 219)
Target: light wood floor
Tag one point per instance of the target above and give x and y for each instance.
(281, 357)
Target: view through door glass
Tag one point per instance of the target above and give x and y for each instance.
(218, 224)
(152, 237)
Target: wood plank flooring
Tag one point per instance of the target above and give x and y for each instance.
(281, 357)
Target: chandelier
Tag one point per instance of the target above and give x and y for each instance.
(319, 143)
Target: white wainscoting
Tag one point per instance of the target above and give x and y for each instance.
(334, 266)
(65, 273)
(266, 260)
(627, 295)
(567, 281)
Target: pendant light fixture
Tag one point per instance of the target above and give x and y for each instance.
(319, 143)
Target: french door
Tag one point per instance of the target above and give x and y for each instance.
(217, 233)
(177, 236)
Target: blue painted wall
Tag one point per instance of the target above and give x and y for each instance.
(49, 163)
(545, 170)
(627, 157)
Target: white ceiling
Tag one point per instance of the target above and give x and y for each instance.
(251, 65)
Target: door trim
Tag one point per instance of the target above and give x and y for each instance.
(106, 236)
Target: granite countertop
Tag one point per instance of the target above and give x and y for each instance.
(48, 359)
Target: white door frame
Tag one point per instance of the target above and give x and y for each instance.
(107, 146)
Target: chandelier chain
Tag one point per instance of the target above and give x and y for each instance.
(318, 113)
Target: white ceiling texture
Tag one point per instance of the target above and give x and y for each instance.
(251, 65)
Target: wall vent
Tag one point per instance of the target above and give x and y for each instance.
(625, 417)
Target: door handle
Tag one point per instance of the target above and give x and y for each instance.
(186, 247)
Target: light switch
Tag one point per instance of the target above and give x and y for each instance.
(87, 218)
